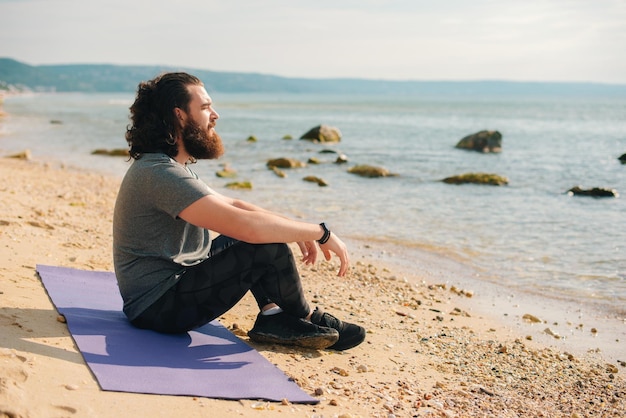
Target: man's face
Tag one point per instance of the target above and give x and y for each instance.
(199, 136)
(202, 143)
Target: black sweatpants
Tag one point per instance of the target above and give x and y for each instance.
(209, 289)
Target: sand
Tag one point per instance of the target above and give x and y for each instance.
(427, 352)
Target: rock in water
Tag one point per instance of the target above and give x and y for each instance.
(369, 171)
(285, 163)
(477, 178)
(323, 133)
(594, 192)
(483, 141)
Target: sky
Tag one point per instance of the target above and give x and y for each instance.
(518, 40)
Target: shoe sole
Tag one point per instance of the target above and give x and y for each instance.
(318, 342)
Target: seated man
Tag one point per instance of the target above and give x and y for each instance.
(172, 274)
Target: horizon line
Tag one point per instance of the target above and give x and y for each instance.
(344, 78)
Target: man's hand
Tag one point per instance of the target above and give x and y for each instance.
(309, 251)
(335, 245)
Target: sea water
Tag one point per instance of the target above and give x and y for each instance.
(528, 235)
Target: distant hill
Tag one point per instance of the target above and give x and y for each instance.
(116, 78)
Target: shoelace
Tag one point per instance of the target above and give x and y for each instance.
(330, 321)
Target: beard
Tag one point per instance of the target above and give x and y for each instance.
(201, 143)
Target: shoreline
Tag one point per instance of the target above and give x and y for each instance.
(566, 323)
(451, 358)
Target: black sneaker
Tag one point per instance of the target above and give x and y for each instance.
(283, 328)
(350, 335)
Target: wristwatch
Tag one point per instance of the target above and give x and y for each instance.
(326, 235)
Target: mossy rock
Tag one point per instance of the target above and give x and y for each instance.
(323, 133)
(313, 179)
(477, 178)
(287, 137)
(341, 159)
(370, 171)
(239, 185)
(226, 173)
(117, 152)
(285, 163)
(252, 138)
(280, 173)
(24, 155)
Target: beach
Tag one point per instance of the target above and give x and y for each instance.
(430, 348)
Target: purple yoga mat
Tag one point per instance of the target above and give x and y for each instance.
(209, 361)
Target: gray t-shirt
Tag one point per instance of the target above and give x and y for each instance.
(152, 246)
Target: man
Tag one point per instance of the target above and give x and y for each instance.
(172, 274)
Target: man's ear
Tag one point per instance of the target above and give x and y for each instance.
(180, 115)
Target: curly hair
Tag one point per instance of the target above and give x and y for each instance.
(154, 125)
